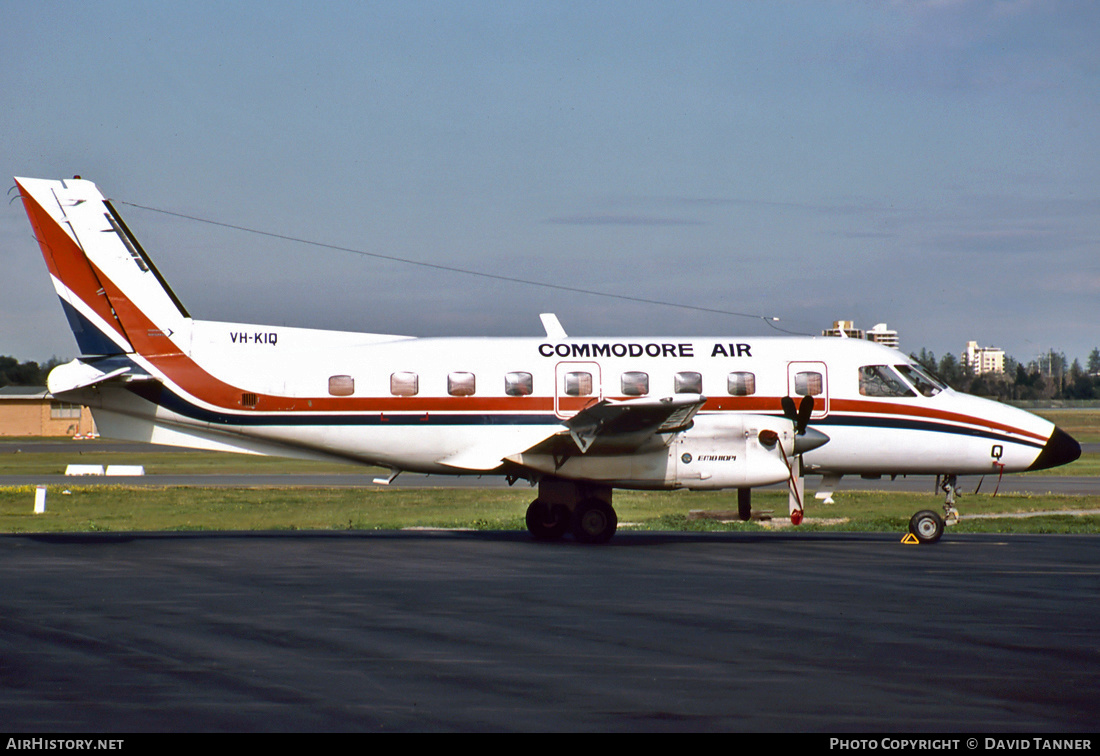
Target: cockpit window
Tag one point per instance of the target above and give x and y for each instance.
(921, 380)
(880, 380)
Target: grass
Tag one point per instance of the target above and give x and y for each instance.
(1082, 424)
(185, 508)
(1088, 465)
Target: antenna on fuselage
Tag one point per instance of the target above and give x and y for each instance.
(552, 326)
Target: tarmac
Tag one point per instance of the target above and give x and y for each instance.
(493, 632)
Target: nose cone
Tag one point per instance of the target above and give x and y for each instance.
(809, 440)
(1060, 449)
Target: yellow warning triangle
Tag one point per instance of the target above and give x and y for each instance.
(910, 538)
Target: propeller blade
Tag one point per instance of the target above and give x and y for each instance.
(788, 408)
(805, 409)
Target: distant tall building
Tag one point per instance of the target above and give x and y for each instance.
(880, 334)
(981, 360)
(843, 328)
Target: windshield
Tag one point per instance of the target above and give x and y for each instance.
(880, 380)
(921, 380)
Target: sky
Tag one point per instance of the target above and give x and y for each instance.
(931, 165)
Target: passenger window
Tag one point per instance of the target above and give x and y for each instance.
(341, 385)
(741, 384)
(404, 384)
(578, 384)
(688, 383)
(880, 380)
(635, 384)
(461, 384)
(809, 383)
(519, 384)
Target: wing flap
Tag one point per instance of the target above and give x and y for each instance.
(623, 426)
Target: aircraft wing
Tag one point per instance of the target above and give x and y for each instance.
(619, 427)
(628, 424)
(606, 427)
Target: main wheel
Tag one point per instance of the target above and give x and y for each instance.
(594, 521)
(547, 522)
(926, 526)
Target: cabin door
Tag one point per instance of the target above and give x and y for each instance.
(809, 379)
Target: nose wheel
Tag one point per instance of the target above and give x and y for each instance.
(926, 526)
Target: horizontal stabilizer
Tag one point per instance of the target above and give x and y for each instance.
(77, 375)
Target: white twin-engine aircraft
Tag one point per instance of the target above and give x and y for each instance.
(576, 416)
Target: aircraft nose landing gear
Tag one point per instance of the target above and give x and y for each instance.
(926, 526)
(949, 486)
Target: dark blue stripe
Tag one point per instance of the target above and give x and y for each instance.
(879, 421)
(90, 339)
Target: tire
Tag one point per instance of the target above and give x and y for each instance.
(547, 522)
(926, 526)
(594, 521)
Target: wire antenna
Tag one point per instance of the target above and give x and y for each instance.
(770, 320)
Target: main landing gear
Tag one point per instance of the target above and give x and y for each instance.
(564, 506)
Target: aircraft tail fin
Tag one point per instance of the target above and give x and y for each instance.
(113, 296)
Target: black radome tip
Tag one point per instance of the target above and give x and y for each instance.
(1061, 449)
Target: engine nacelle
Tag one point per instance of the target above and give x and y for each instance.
(718, 451)
(732, 451)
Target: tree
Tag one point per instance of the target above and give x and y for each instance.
(1079, 384)
(16, 373)
(951, 371)
(925, 359)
